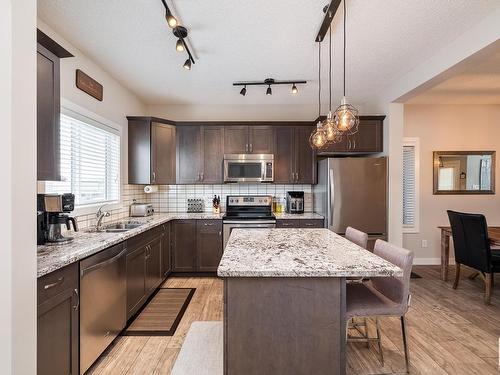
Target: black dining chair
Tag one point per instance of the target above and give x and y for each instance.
(472, 248)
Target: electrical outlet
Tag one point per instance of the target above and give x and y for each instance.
(424, 243)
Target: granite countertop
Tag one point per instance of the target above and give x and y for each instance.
(304, 216)
(299, 253)
(53, 257)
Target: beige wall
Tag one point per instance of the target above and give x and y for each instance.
(449, 128)
(18, 188)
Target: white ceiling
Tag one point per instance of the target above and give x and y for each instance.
(478, 82)
(252, 40)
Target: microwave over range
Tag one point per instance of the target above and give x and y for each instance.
(248, 168)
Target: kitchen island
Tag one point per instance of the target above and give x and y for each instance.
(284, 299)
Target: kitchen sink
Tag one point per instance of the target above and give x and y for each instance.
(122, 226)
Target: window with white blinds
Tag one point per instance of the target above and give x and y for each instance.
(410, 185)
(90, 160)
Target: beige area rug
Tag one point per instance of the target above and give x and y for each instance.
(161, 316)
(202, 350)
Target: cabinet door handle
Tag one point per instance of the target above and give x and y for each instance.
(348, 144)
(58, 282)
(220, 233)
(251, 147)
(297, 177)
(208, 224)
(202, 176)
(154, 176)
(354, 143)
(77, 306)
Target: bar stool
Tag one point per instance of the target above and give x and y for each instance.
(383, 296)
(358, 237)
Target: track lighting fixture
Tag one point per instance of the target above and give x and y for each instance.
(171, 20)
(269, 82)
(181, 34)
(179, 46)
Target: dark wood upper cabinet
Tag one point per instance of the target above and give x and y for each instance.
(369, 138)
(49, 54)
(283, 155)
(305, 157)
(208, 245)
(199, 154)
(184, 245)
(189, 154)
(48, 115)
(236, 139)
(261, 139)
(245, 139)
(212, 155)
(57, 322)
(151, 151)
(295, 161)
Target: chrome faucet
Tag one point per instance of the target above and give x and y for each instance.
(100, 216)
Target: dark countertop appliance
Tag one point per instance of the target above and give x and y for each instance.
(295, 202)
(52, 212)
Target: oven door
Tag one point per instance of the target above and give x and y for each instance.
(248, 168)
(246, 224)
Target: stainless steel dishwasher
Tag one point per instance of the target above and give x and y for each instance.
(103, 302)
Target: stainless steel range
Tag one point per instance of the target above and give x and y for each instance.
(248, 211)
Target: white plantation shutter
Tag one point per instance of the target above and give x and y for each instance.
(410, 185)
(90, 160)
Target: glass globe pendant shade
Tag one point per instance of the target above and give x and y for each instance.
(318, 139)
(346, 118)
(330, 129)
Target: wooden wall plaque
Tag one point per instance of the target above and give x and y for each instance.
(89, 85)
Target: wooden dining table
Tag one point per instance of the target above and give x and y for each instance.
(493, 234)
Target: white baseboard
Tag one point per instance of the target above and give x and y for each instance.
(430, 261)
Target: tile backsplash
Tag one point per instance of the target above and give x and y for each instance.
(173, 198)
(129, 193)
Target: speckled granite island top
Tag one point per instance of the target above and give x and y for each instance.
(53, 257)
(298, 253)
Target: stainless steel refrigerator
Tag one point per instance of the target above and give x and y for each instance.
(352, 191)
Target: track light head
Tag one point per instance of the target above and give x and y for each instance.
(187, 64)
(269, 91)
(295, 90)
(171, 20)
(243, 91)
(179, 46)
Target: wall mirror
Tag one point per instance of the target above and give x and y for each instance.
(464, 172)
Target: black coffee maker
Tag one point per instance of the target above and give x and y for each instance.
(52, 212)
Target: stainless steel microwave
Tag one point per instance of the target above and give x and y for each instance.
(248, 168)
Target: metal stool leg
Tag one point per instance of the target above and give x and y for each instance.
(405, 344)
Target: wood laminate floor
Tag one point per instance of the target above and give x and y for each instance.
(450, 332)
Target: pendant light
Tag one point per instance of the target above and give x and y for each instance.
(346, 115)
(329, 126)
(318, 140)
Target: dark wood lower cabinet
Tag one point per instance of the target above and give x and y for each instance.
(184, 245)
(57, 323)
(153, 264)
(197, 245)
(208, 245)
(299, 223)
(166, 251)
(136, 280)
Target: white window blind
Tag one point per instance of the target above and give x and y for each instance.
(410, 186)
(90, 160)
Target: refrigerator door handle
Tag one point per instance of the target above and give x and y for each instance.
(332, 195)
